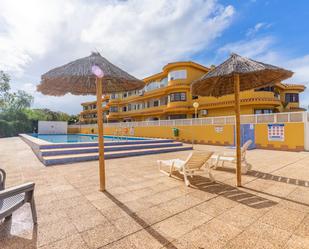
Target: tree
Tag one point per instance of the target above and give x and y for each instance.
(13, 120)
(4, 87)
(12, 101)
(18, 101)
(15, 113)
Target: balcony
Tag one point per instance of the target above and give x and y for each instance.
(89, 111)
(156, 110)
(246, 98)
(178, 106)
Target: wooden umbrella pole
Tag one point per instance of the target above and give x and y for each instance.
(237, 114)
(100, 134)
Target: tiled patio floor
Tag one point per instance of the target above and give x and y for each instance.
(143, 208)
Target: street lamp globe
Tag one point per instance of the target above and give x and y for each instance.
(196, 105)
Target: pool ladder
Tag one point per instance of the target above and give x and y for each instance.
(119, 135)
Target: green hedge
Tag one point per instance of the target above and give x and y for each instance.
(13, 128)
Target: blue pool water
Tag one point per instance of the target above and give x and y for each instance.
(77, 138)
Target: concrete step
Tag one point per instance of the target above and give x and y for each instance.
(106, 143)
(64, 159)
(82, 150)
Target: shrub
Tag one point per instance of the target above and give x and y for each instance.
(13, 128)
(5, 128)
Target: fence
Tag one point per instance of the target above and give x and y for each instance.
(284, 117)
(216, 130)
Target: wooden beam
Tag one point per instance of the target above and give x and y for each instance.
(100, 134)
(237, 114)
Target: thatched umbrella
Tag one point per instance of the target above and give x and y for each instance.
(238, 74)
(89, 75)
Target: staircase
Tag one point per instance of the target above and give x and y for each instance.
(52, 154)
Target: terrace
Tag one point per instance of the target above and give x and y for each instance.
(143, 208)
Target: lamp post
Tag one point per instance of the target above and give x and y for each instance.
(196, 105)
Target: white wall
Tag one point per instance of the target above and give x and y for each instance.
(53, 127)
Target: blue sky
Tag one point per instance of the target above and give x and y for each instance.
(142, 36)
(285, 21)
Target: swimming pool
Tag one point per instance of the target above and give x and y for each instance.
(78, 138)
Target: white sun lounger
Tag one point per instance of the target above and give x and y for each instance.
(193, 164)
(231, 158)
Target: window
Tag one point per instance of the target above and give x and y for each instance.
(194, 97)
(113, 109)
(114, 96)
(177, 75)
(124, 109)
(263, 111)
(164, 82)
(163, 100)
(177, 97)
(291, 97)
(178, 116)
(265, 89)
(152, 86)
(156, 103)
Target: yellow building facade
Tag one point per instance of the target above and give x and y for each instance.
(167, 95)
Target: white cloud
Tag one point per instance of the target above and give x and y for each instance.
(257, 27)
(144, 35)
(300, 66)
(139, 36)
(256, 47)
(29, 27)
(264, 49)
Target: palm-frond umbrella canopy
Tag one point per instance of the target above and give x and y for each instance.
(89, 75)
(252, 74)
(238, 74)
(78, 78)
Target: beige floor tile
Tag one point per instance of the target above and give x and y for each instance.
(149, 239)
(80, 210)
(101, 235)
(49, 233)
(153, 215)
(72, 242)
(199, 238)
(276, 236)
(124, 243)
(193, 217)
(286, 219)
(172, 228)
(303, 228)
(243, 241)
(297, 242)
(220, 230)
(216, 206)
(236, 218)
(206, 215)
(88, 220)
(128, 225)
